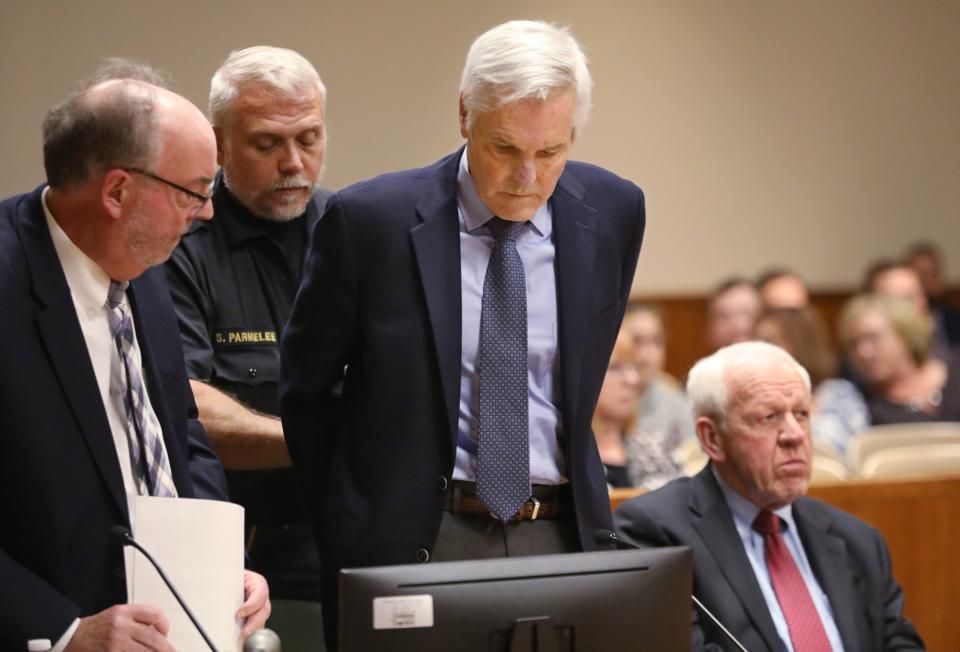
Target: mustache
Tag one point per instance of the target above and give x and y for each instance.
(286, 183)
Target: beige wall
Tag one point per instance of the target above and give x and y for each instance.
(816, 135)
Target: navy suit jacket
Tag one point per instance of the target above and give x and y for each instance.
(380, 310)
(59, 475)
(849, 558)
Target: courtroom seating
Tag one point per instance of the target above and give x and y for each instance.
(690, 456)
(823, 450)
(898, 435)
(918, 461)
(826, 468)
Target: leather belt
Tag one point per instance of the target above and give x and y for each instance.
(546, 501)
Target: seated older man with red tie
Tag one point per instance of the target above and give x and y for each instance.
(780, 570)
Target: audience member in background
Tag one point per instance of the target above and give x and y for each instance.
(781, 570)
(895, 279)
(840, 411)
(616, 410)
(889, 342)
(732, 310)
(925, 260)
(663, 409)
(631, 456)
(781, 288)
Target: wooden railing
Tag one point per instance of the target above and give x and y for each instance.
(920, 520)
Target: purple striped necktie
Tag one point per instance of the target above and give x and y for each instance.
(148, 457)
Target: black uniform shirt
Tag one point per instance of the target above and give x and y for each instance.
(233, 281)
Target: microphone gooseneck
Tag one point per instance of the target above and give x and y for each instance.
(126, 538)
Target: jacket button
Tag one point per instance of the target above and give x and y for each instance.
(119, 572)
(423, 555)
(442, 483)
(252, 372)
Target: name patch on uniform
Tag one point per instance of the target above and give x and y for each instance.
(243, 337)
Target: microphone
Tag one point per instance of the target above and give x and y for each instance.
(126, 539)
(262, 640)
(606, 537)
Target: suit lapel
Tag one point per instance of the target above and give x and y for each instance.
(146, 317)
(60, 331)
(436, 246)
(828, 557)
(575, 247)
(714, 523)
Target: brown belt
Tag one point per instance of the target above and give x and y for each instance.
(546, 501)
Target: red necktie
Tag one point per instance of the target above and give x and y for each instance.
(806, 630)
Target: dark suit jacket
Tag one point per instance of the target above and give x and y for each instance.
(59, 474)
(382, 298)
(849, 558)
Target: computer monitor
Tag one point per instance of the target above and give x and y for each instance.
(637, 600)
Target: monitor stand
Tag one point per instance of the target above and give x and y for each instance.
(535, 634)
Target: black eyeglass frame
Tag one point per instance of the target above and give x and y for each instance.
(200, 197)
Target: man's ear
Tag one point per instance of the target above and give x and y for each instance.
(463, 119)
(710, 438)
(115, 191)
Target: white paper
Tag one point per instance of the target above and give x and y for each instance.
(403, 611)
(199, 544)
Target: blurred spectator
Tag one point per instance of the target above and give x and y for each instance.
(732, 310)
(781, 288)
(889, 342)
(925, 260)
(924, 257)
(899, 280)
(840, 411)
(631, 456)
(664, 415)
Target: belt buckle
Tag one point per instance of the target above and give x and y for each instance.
(536, 508)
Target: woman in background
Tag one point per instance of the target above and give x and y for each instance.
(616, 411)
(662, 409)
(889, 342)
(640, 418)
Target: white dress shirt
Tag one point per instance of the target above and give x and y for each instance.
(88, 287)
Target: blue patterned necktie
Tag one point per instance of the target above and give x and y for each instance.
(148, 457)
(503, 458)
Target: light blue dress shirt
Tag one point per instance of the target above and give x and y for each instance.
(744, 513)
(535, 246)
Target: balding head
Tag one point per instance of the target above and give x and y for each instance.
(129, 165)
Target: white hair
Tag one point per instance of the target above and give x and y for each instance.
(283, 71)
(524, 59)
(708, 379)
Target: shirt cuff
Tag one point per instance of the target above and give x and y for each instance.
(64, 640)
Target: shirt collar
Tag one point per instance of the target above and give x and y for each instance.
(744, 512)
(475, 213)
(88, 283)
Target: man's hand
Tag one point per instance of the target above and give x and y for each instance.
(256, 603)
(123, 628)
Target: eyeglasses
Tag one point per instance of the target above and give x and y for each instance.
(200, 197)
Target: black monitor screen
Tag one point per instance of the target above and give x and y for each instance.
(637, 600)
